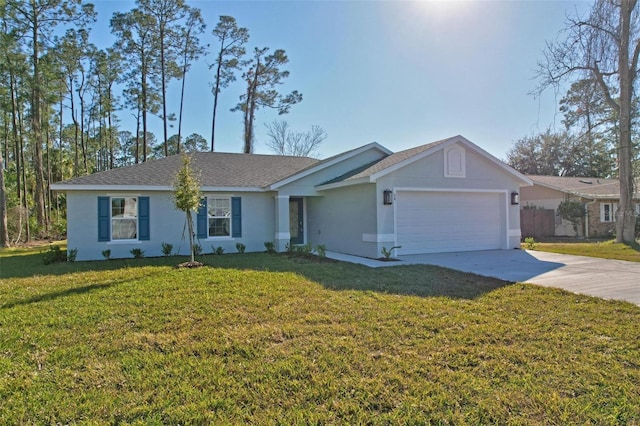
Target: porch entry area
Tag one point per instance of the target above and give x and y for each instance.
(296, 220)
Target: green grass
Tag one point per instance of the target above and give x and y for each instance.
(266, 339)
(603, 249)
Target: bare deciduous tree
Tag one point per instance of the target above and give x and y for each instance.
(604, 46)
(284, 141)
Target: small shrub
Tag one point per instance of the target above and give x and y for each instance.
(137, 253)
(167, 249)
(321, 249)
(240, 247)
(387, 253)
(270, 246)
(304, 249)
(218, 250)
(106, 254)
(197, 249)
(54, 255)
(289, 248)
(573, 211)
(72, 254)
(530, 243)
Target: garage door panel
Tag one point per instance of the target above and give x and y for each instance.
(429, 222)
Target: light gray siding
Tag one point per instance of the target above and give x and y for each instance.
(166, 225)
(341, 217)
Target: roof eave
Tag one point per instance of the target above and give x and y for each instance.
(563, 190)
(342, 184)
(62, 187)
(151, 188)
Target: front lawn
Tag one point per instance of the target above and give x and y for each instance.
(603, 249)
(266, 339)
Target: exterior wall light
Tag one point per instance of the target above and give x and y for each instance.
(515, 198)
(387, 197)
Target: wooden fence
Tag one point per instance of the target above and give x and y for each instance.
(537, 223)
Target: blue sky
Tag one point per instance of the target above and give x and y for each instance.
(401, 73)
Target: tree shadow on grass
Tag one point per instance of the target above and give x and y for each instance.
(414, 280)
(57, 294)
(31, 265)
(73, 291)
(409, 280)
(634, 245)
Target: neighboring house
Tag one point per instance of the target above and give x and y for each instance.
(600, 197)
(445, 196)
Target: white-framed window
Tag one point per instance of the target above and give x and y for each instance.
(219, 216)
(124, 218)
(608, 212)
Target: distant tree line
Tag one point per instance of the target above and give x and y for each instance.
(588, 144)
(62, 97)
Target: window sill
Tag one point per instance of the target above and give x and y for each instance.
(220, 239)
(120, 242)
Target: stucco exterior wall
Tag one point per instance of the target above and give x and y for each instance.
(341, 217)
(429, 172)
(166, 225)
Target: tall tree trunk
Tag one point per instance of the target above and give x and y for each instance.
(48, 193)
(60, 175)
(83, 143)
(144, 113)
(76, 127)
(4, 232)
(36, 127)
(6, 134)
(14, 124)
(625, 223)
(109, 123)
(25, 199)
(137, 137)
(215, 99)
(144, 136)
(184, 75)
(163, 78)
(249, 114)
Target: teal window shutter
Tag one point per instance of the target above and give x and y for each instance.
(144, 233)
(236, 217)
(104, 219)
(201, 220)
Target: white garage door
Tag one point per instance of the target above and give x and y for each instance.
(435, 222)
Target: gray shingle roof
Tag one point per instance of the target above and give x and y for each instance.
(215, 169)
(588, 187)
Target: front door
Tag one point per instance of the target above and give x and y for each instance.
(296, 220)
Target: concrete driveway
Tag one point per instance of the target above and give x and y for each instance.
(608, 279)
